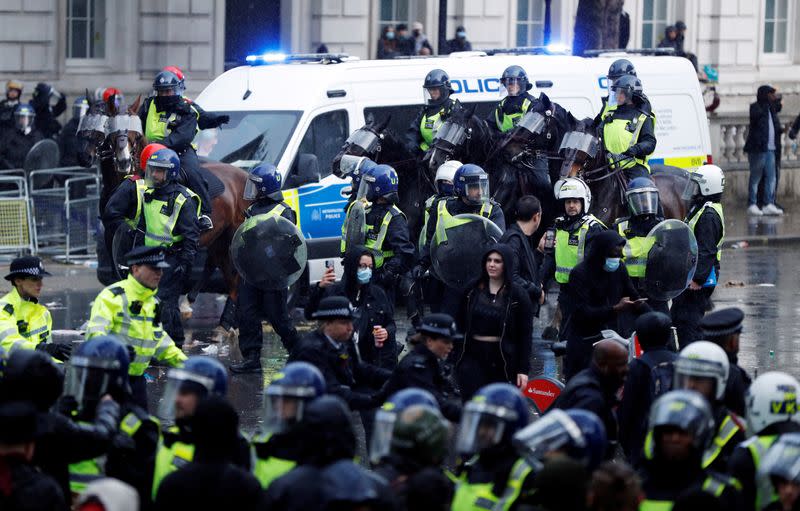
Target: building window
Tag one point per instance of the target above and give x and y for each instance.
(775, 23)
(654, 21)
(530, 22)
(393, 12)
(86, 29)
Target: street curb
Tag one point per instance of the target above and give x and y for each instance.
(762, 241)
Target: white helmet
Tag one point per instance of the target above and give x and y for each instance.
(446, 172)
(573, 188)
(772, 398)
(703, 359)
(706, 180)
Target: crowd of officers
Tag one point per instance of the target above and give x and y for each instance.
(689, 422)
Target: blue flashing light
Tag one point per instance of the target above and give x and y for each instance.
(557, 48)
(266, 57)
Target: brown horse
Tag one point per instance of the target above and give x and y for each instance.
(119, 148)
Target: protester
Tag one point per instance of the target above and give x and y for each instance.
(387, 44)
(420, 39)
(763, 148)
(46, 113)
(459, 43)
(518, 238)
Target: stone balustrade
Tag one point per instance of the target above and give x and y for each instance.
(729, 133)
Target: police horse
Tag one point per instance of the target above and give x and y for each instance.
(116, 138)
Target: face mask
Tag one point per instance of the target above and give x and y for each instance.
(461, 35)
(612, 264)
(390, 35)
(165, 102)
(364, 275)
(416, 33)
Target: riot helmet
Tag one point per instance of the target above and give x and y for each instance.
(623, 90)
(574, 188)
(420, 436)
(148, 151)
(288, 394)
(181, 78)
(356, 167)
(618, 69)
(445, 177)
(514, 82)
(772, 399)
(166, 81)
(24, 115)
(491, 418)
(642, 197)
(682, 410)
(706, 181)
(13, 85)
(471, 184)
(380, 182)
(79, 107)
(579, 434)
(199, 377)
(782, 460)
(98, 367)
(386, 417)
(162, 167)
(436, 87)
(114, 95)
(699, 363)
(264, 181)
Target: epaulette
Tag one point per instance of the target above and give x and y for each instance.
(9, 309)
(117, 290)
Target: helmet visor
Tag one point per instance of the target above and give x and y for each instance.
(644, 202)
(86, 381)
(512, 86)
(155, 176)
(534, 122)
(364, 186)
(480, 429)
(181, 394)
(282, 411)
(94, 122)
(350, 164)
(381, 442)
(782, 460)
(433, 95)
(476, 192)
(691, 190)
(550, 433)
(80, 109)
(251, 188)
(580, 142)
(366, 140)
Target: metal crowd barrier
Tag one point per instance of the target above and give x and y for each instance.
(17, 230)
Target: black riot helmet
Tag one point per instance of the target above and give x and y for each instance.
(515, 74)
(619, 68)
(31, 375)
(436, 80)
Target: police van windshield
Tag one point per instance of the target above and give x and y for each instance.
(249, 138)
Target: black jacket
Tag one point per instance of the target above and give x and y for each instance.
(456, 44)
(588, 390)
(68, 143)
(547, 269)
(7, 108)
(516, 342)
(762, 112)
(345, 374)
(372, 307)
(637, 398)
(736, 389)
(46, 115)
(422, 369)
(209, 486)
(720, 463)
(24, 488)
(412, 138)
(131, 459)
(183, 129)
(397, 240)
(646, 143)
(526, 270)
(668, 481)
(708, 231)
(121, 205)
(15, 145)
(264, 206)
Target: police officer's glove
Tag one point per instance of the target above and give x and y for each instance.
(222, 119)
(614, 159)
(418, 272)
(58, 351)
(123, 442)
(180, 272)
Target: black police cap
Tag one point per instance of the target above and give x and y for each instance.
(28, 266)
(334, 307)
(722, 322)
(151, 256)
(439, 325)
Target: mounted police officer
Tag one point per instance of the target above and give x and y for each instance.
(205, 120)
(18, 141)
(627, 131)
(617, 69)
(130, 310)
(276, 447)
(169, 119)
(681, 428)
(643, 207)
(707, 221)
(264, 188)
(438, 107)
(68, 143)
(24, 322)
(771, 412)
(516, 102)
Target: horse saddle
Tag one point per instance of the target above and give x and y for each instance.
(213, 183)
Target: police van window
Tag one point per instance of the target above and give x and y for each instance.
(403, 115)
(249, 138)
(324, 138)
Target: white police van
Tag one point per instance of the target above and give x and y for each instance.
(297, 111)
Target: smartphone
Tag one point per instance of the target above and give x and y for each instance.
(641, 300)
(328, 263)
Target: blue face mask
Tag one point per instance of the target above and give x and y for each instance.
(390, 35)
(612, 264)
(461, 35)
(364, 275)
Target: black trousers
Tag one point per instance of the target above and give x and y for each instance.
(254, 304)
(687, 311)
(195, 181)
(138, 390)
(169, 292)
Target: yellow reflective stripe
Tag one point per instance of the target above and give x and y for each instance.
(509, 120)
(8, 331)
(130, 424)
(519, 472)
(656, 505)
(158, 229)
(568, 256)
(726, 431)
(717, 207)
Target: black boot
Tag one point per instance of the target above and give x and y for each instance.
(250, 364)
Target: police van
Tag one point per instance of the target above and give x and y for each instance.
(297, 111)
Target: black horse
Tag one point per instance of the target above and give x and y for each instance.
(463, 136)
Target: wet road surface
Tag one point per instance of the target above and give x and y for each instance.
(763, 281)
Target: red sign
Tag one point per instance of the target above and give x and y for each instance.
(543, 391)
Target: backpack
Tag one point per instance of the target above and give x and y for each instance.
(661, 376)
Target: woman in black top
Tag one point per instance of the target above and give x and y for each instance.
(496, 318)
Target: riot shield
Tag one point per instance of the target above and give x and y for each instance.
(269, 252)
(355, 224)
(125, 238)
(43, 155)
(671, 261)
(458, 248)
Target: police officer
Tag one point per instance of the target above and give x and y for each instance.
(781, 467)
(517, 101)
(681, 427)
(276, 447)
(617, 69)
(129, 309)
(438, 107)
(628, 132)
(424, 367)
(46, 114)
(169, 220)
(199, 378)
(643, 207)
(723, 327)
(704, 367)
(16, 142)
(24, 322)
(706, 219)
(771, 412)
(68, 143)
(386, 418)
(495, 476)
(169, 119)
(100, 368)
(9, 104)
(264, 187)
(205, 120)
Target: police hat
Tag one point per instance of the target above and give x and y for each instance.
(17, 422)
(438, 325)
(28, 266)
(334, 307)
(151, 256)
(722, 322)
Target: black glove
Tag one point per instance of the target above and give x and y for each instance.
(418, 272)
(58, 351)
(180, 272)
(222, 119)
(614, 159)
